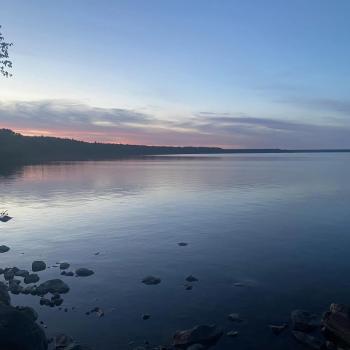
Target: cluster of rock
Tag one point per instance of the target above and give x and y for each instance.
(331, 331)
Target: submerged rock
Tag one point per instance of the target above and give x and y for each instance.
(67, 273)
(304, 321)
(191, 278)
(38, 265)
(203, 335)
(4, 294)
(64, 266)
(149, 280)
(84, 272)
(52, 286)
(15, 287)
(232, 334)
(308, 340)
(31, 278)
(337, 321)
(146, 317)
(234, 317)
(21, 273)
(278, 329)
(182, 244)
(19, 331)
(4, 248)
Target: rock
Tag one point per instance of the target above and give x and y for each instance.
(4, 248)
(64, 266)
(15, 287)
(4, 294)
(31, 278)
(304, 321)
(38, 266)
(191, 278)
(19, 331)
(67, 273)
(149, 280)
(337, 321)
(56, 300)
(232, 334)
(84, 272)
(63, 341)
(9, 273)
(30, 312)
(46, 302)
(203, 335)
(30, 290)
(52, 286)
(308, 340)
(182, 244)
(146, 317)
(234, 317)
(21, 273)
(188, 286)
(278, 329)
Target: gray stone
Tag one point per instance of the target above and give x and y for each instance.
(64, 266)
(337, 321)
(304, 321)
(4, 294)
(149, 280)
(308, 340)
(21, 273)
(38, 265)
(52, 286)
(4, 248)
(84, 272)
(203, 335)
(31, 278)
(19, 331)
(191, 278)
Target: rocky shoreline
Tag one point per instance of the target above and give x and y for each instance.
(19, 327)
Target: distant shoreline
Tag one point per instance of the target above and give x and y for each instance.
(19, 149)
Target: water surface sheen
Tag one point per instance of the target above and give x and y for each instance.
(277, 223)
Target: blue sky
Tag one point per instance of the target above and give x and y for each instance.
(228, 73)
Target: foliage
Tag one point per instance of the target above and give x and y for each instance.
(5, 62)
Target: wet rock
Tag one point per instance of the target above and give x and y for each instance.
(191, 278)
(64, 266)
(9, 273)
(4, 294)
(188, 287)
(84, 272)
(62, 341)
(38, 265)
(146, 317)
(308, 340)
(31, 278)
(21, 273)
(56, 299)
(67, 273)
(149, 280)
(4, 248)
(203, 335)
(182, 244)
(304, 321)
(232, 334)
(278, 329)
(15, 287)
(234, 317)
(30, 312)
(46, 302)
(19, 331)
(337, 322)
(52, 286)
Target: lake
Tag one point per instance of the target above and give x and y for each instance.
(279, 225)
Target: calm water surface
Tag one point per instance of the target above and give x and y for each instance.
(280, 224)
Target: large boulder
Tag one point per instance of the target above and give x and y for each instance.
(19, 331)
(4, 294)
(203, 334)
(52, 286)
(304, 321)
(337, 321)
(38, 265)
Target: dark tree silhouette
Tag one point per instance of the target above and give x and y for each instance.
(5, 62)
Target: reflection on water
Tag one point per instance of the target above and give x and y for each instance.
(279, 223)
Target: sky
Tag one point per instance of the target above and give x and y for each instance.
(240, 74)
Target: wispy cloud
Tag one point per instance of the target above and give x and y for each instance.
(73, 119)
